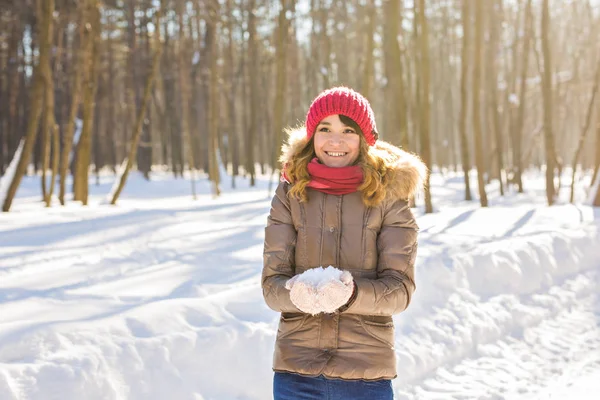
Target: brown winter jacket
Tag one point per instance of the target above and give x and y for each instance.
(378, 245)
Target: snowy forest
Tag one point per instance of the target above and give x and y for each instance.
(112, 86)
(139, 147)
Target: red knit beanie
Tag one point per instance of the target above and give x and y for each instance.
(345, 101)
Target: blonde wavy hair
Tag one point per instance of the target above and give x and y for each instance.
(375, 170)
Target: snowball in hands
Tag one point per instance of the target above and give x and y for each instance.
(334, 293)
(320, 289)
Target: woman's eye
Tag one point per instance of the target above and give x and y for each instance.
(323, 129)
(349, 131)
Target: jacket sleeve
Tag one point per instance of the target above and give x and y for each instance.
(391, 292)
(279, 253)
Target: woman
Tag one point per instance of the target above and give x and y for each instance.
(342, 202)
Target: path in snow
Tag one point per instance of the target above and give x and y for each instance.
(546, 360)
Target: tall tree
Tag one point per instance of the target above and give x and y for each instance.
(54, 130)
(584, 130)
(547, 101)
(518, 130)
(596, 201)
(136, 74)
(394, 72)
(370, 47)
(477, 134)
(46, 16)
(597, 158)
(184, 91)
(425, 107)
(492, 80)
(86, 40)
(84, 148)
(213, 103)
(281, 78)
(128, 162)
(49, 131)
(230, 92)
(253, 76)
(464, 97)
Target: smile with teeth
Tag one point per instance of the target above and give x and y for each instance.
(335, 153)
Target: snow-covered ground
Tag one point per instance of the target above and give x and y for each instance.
(159, 297)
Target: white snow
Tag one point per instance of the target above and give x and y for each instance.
(9, 174)
(316, 276)
(159, 297)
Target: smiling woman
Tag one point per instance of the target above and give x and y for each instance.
(342, 204)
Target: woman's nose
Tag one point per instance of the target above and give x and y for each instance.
(336, 138)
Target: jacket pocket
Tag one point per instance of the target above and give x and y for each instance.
(379, 328)
(290, 323)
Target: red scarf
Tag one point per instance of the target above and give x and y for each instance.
(336, 181)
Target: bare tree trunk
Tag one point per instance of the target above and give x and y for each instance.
(547, 100)
(213, 101)
(448, 50)
(280, 82)
(518, 131)
(584, 131)
(312, 73)
(253, 76)
(414, 76)
(128, 162)
(45, 33)
(3, 100)
(10, 68)
(47, 139)
(202, 93)
(324, 47)
(86, 38)
(493, 94)
(14, 88)
(369, 58)
(232, 129)
(464, 141)
(245, 112)
(394, 72)
(597, 161)
(84, 147)
(596, 202)
(264, 127)
(169, 84)
(184, 88)
(425, 107)
(135, 77)
(55, 160)
(510, 105)
(55, 131)
(479, 160)
(145, 152)
(48, 124)
(111, 101)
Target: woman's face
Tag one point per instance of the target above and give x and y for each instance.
(336, 144)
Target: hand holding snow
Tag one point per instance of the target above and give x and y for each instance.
(334, 293)
(304, 296)
(320, 289)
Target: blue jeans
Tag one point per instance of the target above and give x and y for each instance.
(288, 386)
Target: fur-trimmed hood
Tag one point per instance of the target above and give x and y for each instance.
(408, 169)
